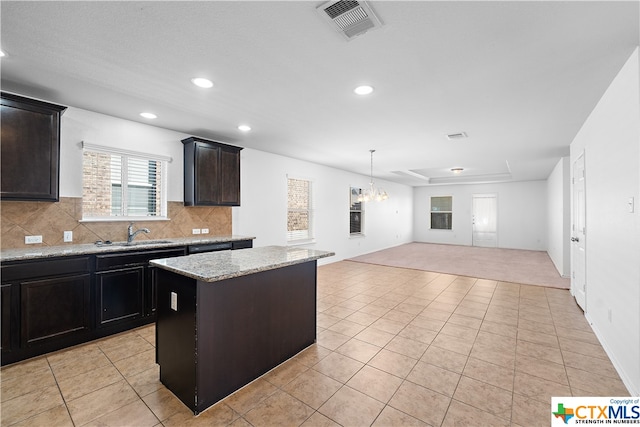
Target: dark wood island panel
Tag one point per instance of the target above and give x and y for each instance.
(227, 333)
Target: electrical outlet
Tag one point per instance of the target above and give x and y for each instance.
(68, 236)
(205, 231)
(29, 240)
(195, 231)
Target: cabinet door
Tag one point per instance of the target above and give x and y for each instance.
(211, 173)
(30, 149)
(119, 295)
(151, 292)
(230, 177)
(54, 308)
(7, 314)
(207, 187)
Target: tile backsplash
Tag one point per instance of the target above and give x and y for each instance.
(51, 220)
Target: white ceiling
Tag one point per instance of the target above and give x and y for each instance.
(519, 78)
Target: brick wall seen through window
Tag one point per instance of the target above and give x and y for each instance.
(299, 210)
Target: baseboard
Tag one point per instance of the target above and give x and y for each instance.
(633, 389)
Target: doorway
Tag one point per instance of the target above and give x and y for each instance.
(485, 220)
(578, 235)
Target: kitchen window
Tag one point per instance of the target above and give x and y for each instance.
(299, 211)
(441, 212)
(122, 185)
(356, 212)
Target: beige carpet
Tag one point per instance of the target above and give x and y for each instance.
(506, 265)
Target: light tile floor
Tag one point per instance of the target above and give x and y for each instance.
(395, 347)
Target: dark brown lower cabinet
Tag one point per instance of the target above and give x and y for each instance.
(125, 290)
(46, 305)
(54, 308)
(49, 304)
(120, 294)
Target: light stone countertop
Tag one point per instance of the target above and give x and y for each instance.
(38, 252)
(216, 266)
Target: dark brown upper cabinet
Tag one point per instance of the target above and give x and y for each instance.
(211, 173)
(30, 149)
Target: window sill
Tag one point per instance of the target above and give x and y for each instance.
(126, 219)
(302, 242)
(356, 236)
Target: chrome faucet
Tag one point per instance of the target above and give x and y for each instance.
(131, 235)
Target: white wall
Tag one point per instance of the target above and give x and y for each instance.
(263, 210)
(522, 214)
(610, 139)
(559, 217)
(81, 125)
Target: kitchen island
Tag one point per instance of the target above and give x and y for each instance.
(226, 318)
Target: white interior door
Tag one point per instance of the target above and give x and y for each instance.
(485, 220)
(578, 235)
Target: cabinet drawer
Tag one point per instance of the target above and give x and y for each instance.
(209, 247)
(243, 244)
(128, 259)
(45, 268)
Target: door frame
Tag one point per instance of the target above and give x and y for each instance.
(483, 195)
(576, 234)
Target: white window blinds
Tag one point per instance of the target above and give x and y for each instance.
(120, 185)
(441, 212)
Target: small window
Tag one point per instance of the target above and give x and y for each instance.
(441, 212)
(356, 211)
(117, 186)
(299, 210)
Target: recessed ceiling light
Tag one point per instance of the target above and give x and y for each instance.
(457, 170)
(202, 82)
(244, 128)
(363, 90)
(149, 115)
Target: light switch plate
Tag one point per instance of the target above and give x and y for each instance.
(195, 231)
(68, 236)
(205, 231)
(174, 301)
(631, 204)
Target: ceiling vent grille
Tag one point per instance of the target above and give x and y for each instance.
(349, 18)
(458, 135)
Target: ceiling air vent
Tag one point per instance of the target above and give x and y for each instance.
(458, 135)
(349, 18)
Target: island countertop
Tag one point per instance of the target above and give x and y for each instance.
(216, 266)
